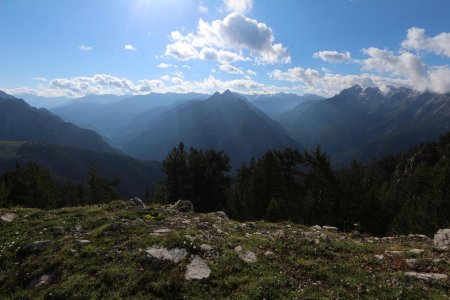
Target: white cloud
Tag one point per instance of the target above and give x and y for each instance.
(202, 8)
(417, 39)
(222, 56)
(231, 69)
(333, 56)
(164, 65)
(86, 48)
(240, 6)
(108, 84)
(328, 84)
(182, 51)
(129, 47)
(251, 73)
(235, 32)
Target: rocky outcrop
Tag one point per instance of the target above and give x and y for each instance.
(442, 238)
(197, 269)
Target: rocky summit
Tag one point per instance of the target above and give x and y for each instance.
(111, 251)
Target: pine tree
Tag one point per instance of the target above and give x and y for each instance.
(176, 169)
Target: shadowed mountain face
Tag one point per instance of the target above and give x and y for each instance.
(115, 119)
(365, 123)
(277, 104)
(223, 121)
(20, 121)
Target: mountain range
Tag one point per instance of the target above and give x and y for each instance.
(225, 122)
(21, 122)
(358, 123)
(366, 123)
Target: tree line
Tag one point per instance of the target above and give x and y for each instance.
(407, 193)
(33, 186)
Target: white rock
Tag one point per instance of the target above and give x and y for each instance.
(427, 276)
(197, 269)
(83, 242)
(331, 228)
(161, 231)
(442, 238)
(268, 253)
(248, 256)
(40, 281)
(379, 256)
(316, 227)
(8, 218)
(416, 251)
(205, 247)
(174, 255)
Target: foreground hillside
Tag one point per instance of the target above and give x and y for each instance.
(126, 250)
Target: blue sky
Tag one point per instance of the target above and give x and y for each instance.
(73, 48)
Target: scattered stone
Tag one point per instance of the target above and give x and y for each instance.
(37, 246)
(411, 262)
(135, 201)
(83, 243)
(58, 231)
(174, 255)
(161, 231)
(324, 237)
(279, 233)
(442, 238)
(379, 256)
(437, 260)
(221, 214)
(331, 228)
(8, 218)
(184, 206)
(316, 227)
(268, 253)
(393, 252)
(205, 247)
(416, 251)
(197, 269)
(427, 276)
(418, 236)
(190, 238)
(246, 256)
(40, 281)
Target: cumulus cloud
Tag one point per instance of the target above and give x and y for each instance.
(86, 48)
(240, 6)
(164, 65)
(234, 33)
(129, 47)
(231, 69)
(417, 39)
(328, 84)
(333, 56)
(107, 84)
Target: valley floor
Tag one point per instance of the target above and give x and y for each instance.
(123, 250)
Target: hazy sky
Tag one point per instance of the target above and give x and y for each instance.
(78, 47)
